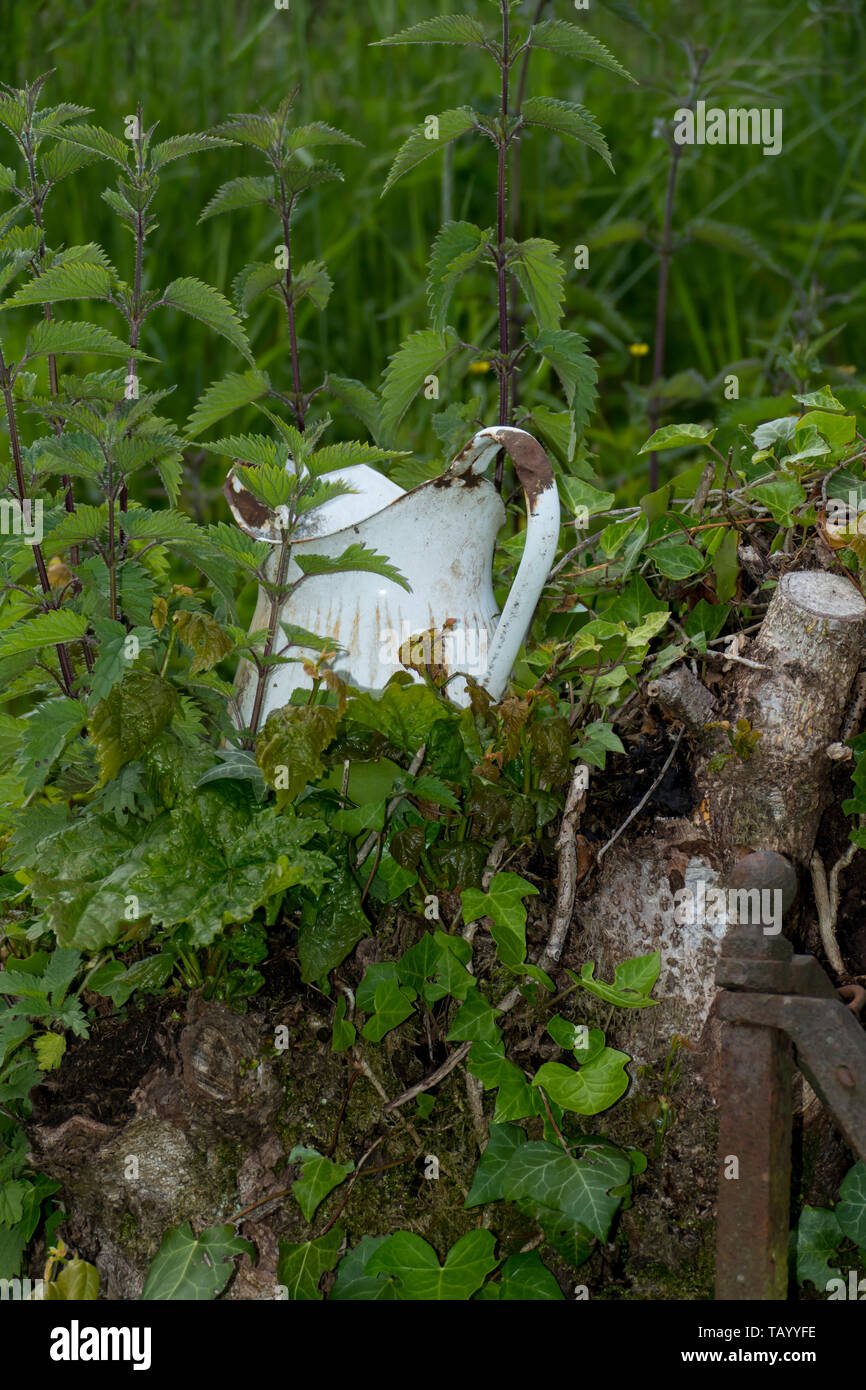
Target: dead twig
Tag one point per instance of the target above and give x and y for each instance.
(567, 871)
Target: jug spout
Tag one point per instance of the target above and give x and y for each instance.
(535, 472)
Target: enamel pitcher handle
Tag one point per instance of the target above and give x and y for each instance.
(534, 469)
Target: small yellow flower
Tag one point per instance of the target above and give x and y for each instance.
(638, 349)
(479, 366)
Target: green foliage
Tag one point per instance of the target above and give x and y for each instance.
(194, 1268)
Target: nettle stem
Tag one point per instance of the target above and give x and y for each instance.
(505, 368)
(286, 218)
(15, 448)
(666, 253)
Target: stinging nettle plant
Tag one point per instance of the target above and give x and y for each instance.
(462, 246)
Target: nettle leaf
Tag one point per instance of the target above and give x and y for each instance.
(308, 137)
(128, 720)
(415, 1266)
(502, 903)
(595, 1087)
(72, 280)
(354, 557)
(549, 1184)
(301, 1266)
(357, 398)
(452, 28)
(205, 637)
(59, 336)
(319, 1176)
(46, 629)
(444, 128)
(256, 279)
(541, 276)
(297, 177)
(457, 248)
(246, 192)
(194, 1268)
(179, 146)
(349, 452)
(677, 437)
(569, 356)
(819, 1236)
(423, 354)
(98, 141)
(632, 982)
(222, 397)
(45, 734)
(289, 747)
(559, 36)
(313, 282)
(206, 304)
(567, 118)
(851, 1208)
(84, 524)
(727, 237)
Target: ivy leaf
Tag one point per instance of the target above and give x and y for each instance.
(525, 1277)
(676, 437)
(344, 1033)
(423, 354)
(781, 499)
(194, 1268)
(61, 335)
(246, 192)
(678, 561)
(488, 1184)
(549, 1184)
(415, 1266)
(559, 36)
(301, 1266)
(502, 903)
(475, 1020)
(128, 720)
(452, 28)
(632, 982)
(419, 146)
(353, 1284)
(851, 1209)
(353, 558)
(593, 1088)
(570, 119)
(206, 304)
(457, 248)
(541, 275)
(569, 356)
(819, 1236)
(319, 1176)
(393, 1006)
(223, 397)
(77, 1282)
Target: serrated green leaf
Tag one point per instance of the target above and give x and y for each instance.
(422, 354)
(63, 336)
(457, 248)
(73, 280)
(46, 629)
(559, 36)
(316, 133)
(98, 141)
(567, 118)
(569, 356)
(178, 146)
(206, 304)
(419, 146)
(49, 1049)
(224, 396)
(246, 192)
(128, 720)
(450, 28)
(357, 398)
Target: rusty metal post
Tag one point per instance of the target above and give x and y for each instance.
(755, 1125)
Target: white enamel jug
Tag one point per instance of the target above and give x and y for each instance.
(441, 537)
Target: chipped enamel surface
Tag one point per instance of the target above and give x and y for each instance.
(441, 537)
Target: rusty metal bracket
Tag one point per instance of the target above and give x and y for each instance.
(778, 1011)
